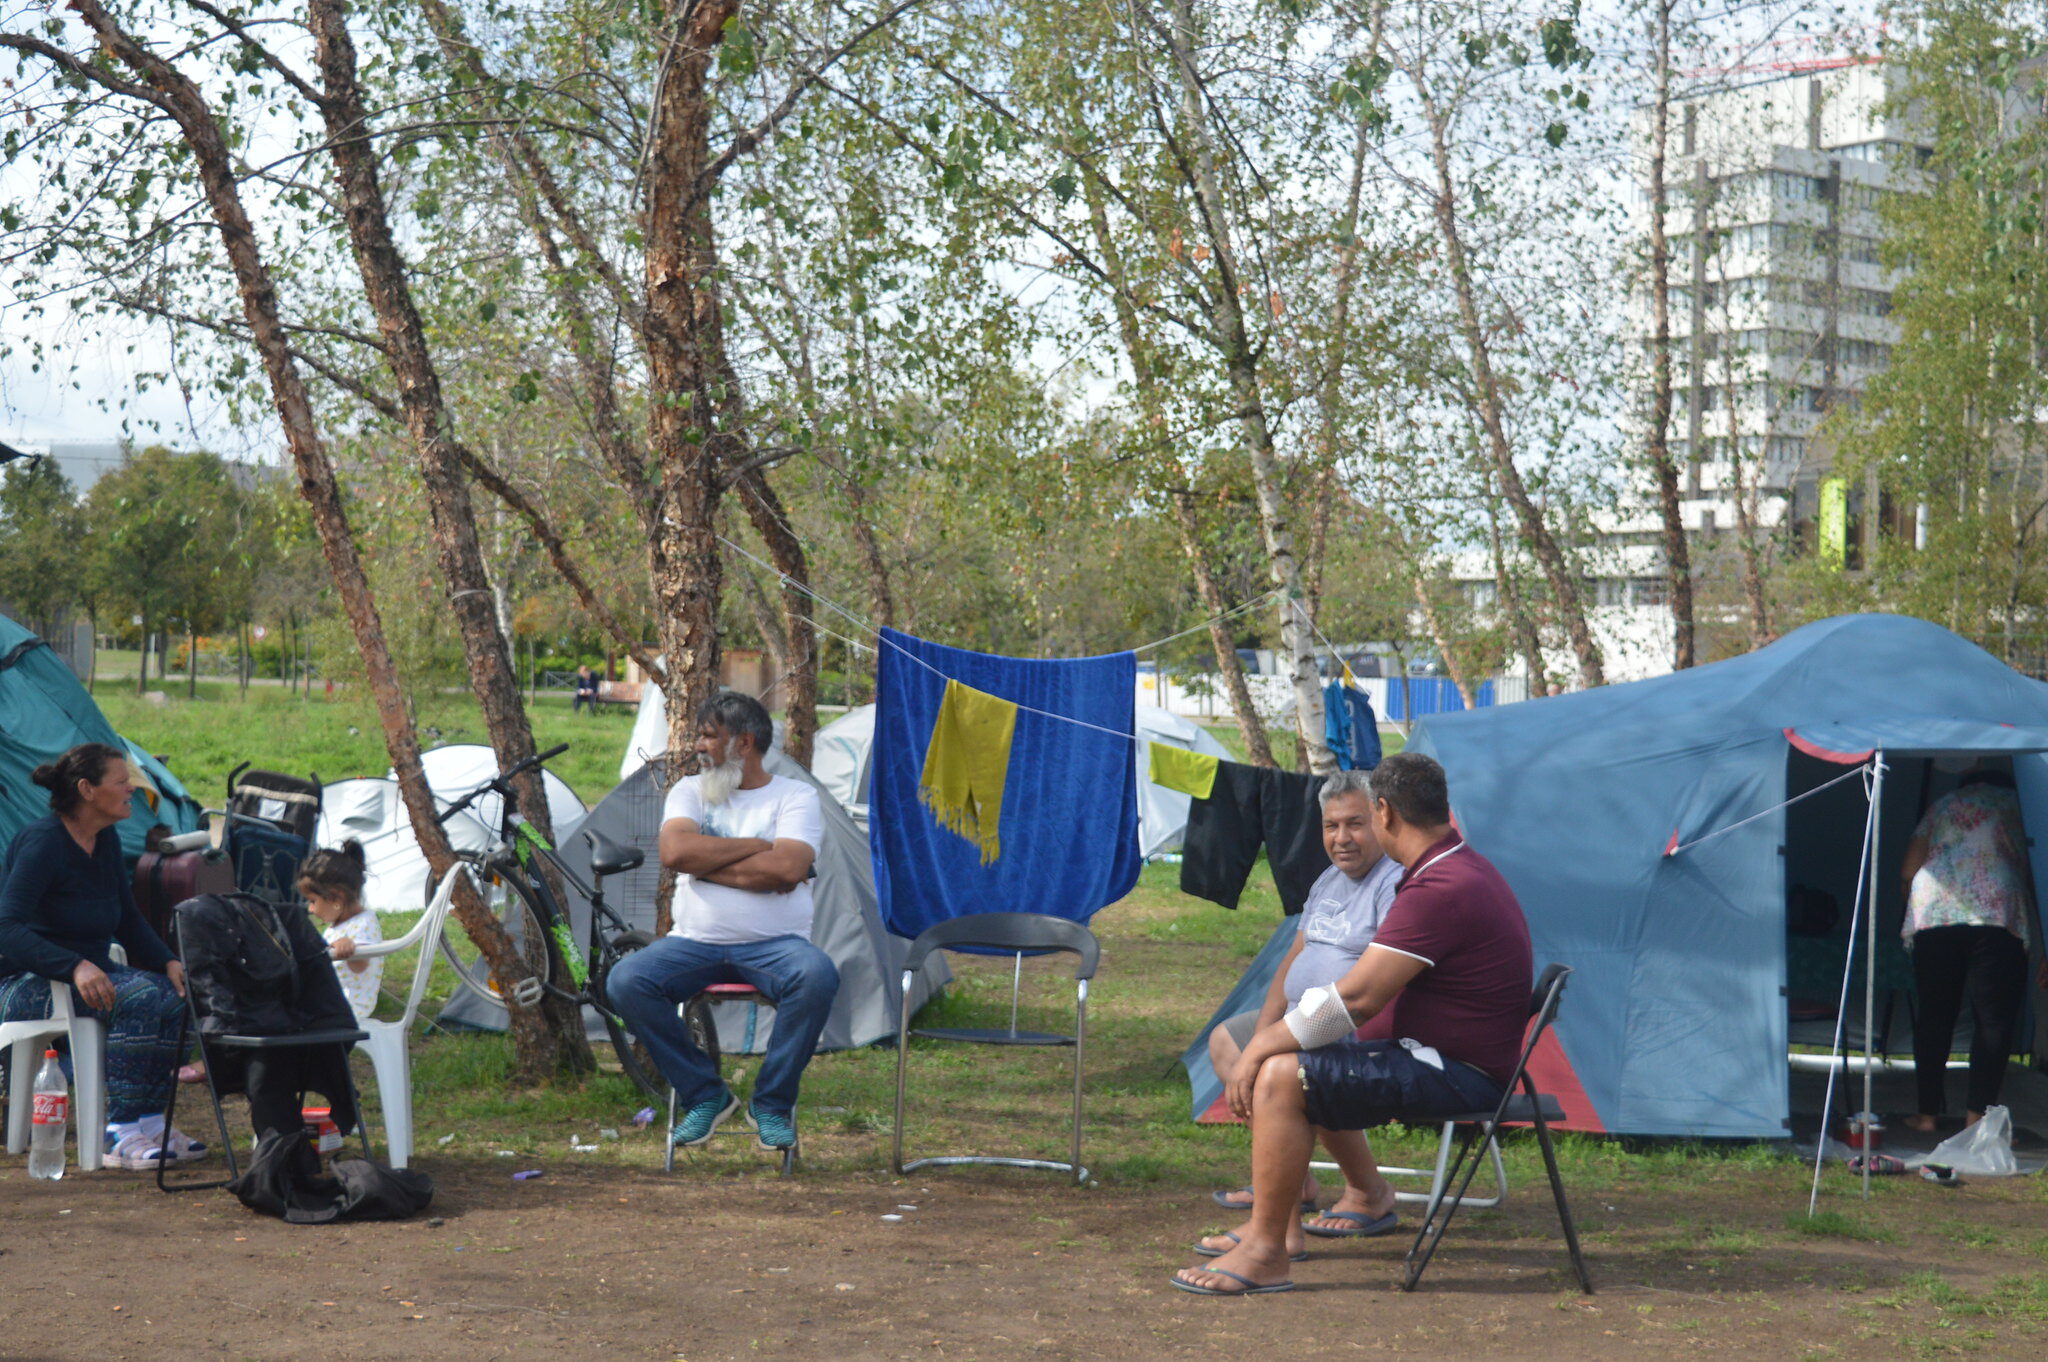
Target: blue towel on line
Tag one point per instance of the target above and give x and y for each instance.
(1070, 800)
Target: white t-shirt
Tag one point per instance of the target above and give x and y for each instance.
(1338, 923)
(718, 914)
(361, 989)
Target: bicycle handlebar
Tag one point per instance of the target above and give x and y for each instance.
(501, 782)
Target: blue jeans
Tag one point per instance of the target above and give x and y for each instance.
(648, 987)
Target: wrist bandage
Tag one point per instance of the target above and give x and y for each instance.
(1319, 1019)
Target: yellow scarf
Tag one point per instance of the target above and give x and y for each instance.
(1179, 769)
(965, 765)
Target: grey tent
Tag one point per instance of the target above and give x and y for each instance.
(847, 927)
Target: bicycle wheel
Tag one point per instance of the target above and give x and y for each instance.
(512, 904)
(634, 1059)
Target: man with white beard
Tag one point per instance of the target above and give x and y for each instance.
(741, 842)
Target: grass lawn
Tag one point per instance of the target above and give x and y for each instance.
(337, 736)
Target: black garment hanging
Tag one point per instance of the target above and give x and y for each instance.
(1251, 807)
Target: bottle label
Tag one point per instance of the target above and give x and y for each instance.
(51, 1108)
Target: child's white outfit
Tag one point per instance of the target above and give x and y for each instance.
(361, 989)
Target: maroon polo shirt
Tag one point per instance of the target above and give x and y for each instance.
(1454, 912)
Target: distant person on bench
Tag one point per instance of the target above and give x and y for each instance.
(742, 843)
(1443, 990)
(1344, 909)
(586, 689)
(1969, 895)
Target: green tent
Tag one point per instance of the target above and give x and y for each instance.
(44, 710)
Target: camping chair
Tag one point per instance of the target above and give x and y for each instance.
(270, 819)
(1025, 934)
(1528, 1107)
(221, 1050)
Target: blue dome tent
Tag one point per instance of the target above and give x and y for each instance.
(45, 710)
(1647, 831)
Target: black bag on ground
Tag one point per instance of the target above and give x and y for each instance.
(284, 1179)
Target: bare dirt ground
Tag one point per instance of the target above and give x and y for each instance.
(623, 1262)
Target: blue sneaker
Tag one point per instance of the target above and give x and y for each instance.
(777, 1129)
(701, 1121)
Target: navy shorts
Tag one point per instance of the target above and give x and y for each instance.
(1357, 1084)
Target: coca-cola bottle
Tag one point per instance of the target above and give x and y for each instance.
(52, 1114)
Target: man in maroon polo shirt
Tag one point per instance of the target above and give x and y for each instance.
(1440, 1000)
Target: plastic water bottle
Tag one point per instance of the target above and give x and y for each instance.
(52, 1114)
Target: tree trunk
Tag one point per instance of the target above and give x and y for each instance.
(1492, 403)
(554, 1039)
(1228, 664)
(191, 663)
(799, 666)
(767, 621)
(1168, 466)
(1432, 620)
(692, 414)
(1513, 604)
(1240, 362)
(170, 91)
(142, 663)
(1677, 555)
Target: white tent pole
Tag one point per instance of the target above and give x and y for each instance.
(1870, 949)
(1835, 1056)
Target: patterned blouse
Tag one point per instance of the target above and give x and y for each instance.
(1976, 870)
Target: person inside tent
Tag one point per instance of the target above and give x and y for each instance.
(1345, 907)
(1442, 995)
(742, 843)
(1969, 897)
(66, 899)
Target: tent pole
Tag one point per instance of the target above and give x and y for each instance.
(1870, 948)
(1837, 1060)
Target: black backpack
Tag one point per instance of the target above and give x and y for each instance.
(256, 969)
(284, 1179)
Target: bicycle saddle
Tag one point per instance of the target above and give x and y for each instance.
(608, 857)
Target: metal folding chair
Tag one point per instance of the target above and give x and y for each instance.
(1025, 934)
(1527, 1107)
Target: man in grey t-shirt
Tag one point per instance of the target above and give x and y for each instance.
(1344, 909)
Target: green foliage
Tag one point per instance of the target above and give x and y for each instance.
(41, 564)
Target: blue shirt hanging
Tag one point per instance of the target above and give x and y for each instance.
(1070, 800)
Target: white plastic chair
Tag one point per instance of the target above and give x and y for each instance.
(390, 1059)
(25, 1042)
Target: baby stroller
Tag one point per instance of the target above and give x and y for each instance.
(270, 820)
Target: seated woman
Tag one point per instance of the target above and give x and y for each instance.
(65, 898)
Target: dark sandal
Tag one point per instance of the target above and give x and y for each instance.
(1223, 1199)
(1205, 1251)
(1365, 1225)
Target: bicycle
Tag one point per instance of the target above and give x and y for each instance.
(519, 896)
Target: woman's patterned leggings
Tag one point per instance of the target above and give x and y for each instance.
(142, 1035)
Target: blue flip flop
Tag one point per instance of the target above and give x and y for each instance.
(1205, 1251)
(1250, 1287)
(1224, 1199)
(1366, 1225)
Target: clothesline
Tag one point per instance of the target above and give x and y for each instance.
(872, 629)
(1675, 847)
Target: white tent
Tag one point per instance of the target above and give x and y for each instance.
(371, 811)
(1163, 813)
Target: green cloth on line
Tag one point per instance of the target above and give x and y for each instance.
(966, 763)
(1177, 768)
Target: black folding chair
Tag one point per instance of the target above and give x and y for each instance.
(1025, 934)
(219, 1044)
(1527, 1107)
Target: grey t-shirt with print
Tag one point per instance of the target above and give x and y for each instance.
(1338, 922)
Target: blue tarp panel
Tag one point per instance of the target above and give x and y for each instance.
(1675, 1024)
(1070, 800)
(44, 711)
(1248, 996)
(1430, 695)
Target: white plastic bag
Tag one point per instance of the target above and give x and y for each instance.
(1983, 1150)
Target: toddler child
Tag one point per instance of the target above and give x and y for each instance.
(332, 881)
